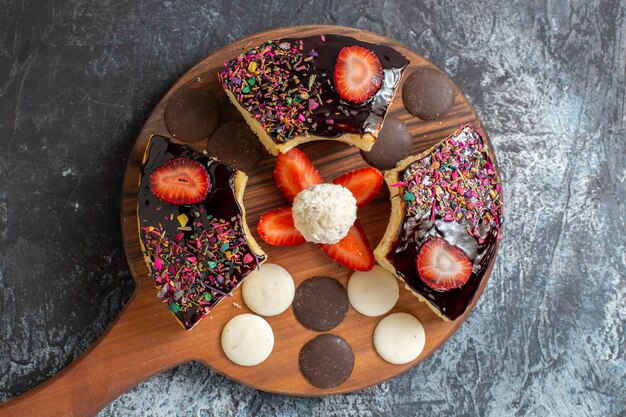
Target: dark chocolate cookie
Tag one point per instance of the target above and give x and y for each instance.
(428, 93)
(192, 115)
(392, 145)
(320, 303)
(326, 361)
(235, 144)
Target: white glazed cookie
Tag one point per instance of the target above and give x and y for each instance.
(247, 339)
(373, 293)
(399, 338)
(269, 290)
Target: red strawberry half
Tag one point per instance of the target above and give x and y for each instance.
(353, 251)
(363, 183)
(442, 266)
(358, 74)
(294, 172)
(276, 228)
(180, 181)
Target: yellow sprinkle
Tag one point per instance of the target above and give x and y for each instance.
(252, 66)
(182, 219)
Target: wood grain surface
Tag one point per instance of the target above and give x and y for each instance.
(145, 339)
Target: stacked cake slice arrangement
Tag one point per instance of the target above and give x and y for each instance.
(446, 205)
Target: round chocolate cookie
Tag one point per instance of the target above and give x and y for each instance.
(320, 303)
(428, 93)
(192, 115)
(326, 361)
(392, 145)
(235, 144)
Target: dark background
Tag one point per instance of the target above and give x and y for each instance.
(78, 79)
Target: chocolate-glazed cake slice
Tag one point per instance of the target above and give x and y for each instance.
(446, 215)
(197, 253)
(292, 91)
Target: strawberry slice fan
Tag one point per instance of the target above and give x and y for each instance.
(294, 173)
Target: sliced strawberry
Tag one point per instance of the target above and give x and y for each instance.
(294, 172)
(276, 228)
(364, 184)
(353, 251)
(442, 266)
(358, 74)
(180, 181)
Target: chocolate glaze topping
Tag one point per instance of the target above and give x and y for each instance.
(329, 116)
(469, 219)
(220, 203)
(415, 231)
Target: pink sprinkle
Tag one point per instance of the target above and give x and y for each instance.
(400, 184)
(448, 217)
(323, 38)
(179, 236)
(247, 259)
(157, 264)
(192, 259)
(313, 104)
(301, 118)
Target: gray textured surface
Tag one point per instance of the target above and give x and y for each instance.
(548, 337)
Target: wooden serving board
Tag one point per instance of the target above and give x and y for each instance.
(145, 339)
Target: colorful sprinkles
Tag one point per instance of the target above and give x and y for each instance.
(194, 271)
(277, 84)
(456, 181)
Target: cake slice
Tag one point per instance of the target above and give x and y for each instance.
(446, 215)
(297, 90)
(193, 229)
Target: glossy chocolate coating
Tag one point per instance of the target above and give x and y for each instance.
(428, 94)
(347, 117)
(415, 231)
(320, 303)
(235, 144)
(393, 145)
(326, 361)
(192, 114)
(220, 203)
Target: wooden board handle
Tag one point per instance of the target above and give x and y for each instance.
(131, 350)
